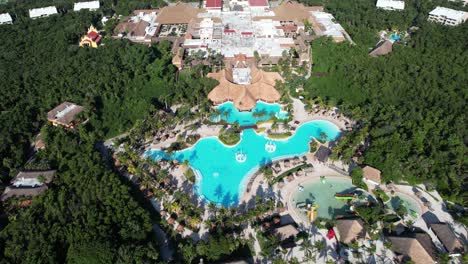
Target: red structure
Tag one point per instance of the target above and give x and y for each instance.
(258, 3)
(214, 4)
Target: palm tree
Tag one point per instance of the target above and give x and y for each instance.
(308, 249)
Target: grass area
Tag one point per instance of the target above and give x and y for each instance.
(229, 137)
(280, 135)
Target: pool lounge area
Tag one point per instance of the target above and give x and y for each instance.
(222, 172)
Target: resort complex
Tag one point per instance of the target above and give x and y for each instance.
(251, 28)
(233, 131)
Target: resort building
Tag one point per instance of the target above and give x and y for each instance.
(259, 4)
(371, 175)
(33, 178)
(247, 27)
(351, 230)
(42, 12)
(327, 27)
(28, 184)
(391, 4)
(384, 47)
(417, 247)
(91, 39)
(5, 18)
(65, 115)
(22, 192)
(213, 5)
(447, 16)
(244, 84)
(140, 27)
(447, 237)
(91, 6)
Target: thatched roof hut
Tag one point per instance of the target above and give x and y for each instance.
(286, 232)
(417, 247)
(350, 230)
(448, 238)
(371, 174)
(243, 96)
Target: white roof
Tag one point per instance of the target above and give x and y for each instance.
(44, 11)
(5, 18)
(391, 4)
(332, 29)
(449, 13)
(86, 5)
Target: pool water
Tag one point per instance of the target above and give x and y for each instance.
(223, 171)
(408, 202)
(323, 194)
(262, 111)
(395, 37)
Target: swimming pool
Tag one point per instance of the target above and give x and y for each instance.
(395, 37)
(410, 204)
(223, 171)
(323, 195)
(262, 111)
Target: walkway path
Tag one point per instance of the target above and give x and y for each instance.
(165, 249)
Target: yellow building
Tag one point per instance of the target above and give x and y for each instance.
(91, 39)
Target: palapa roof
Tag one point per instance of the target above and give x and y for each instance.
(26, 192)
(64, 113)
(286, 231)
(351, 230)
(48, 175)
(382, 48)
(322, 154)
(371, 173)
(447, 237)
(417, 246)
(245, 97)
(180, 13)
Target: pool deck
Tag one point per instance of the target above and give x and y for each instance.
(303, 116)
(260, 186)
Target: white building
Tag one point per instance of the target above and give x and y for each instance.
(91, 6)
(447, 16)
(391, 4)
(329, 27)
(206, 28)
(42, 12)
(5, 19)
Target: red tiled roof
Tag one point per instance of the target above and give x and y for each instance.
(92, 35)
(258, 3)
(229, 31)
(246, 33)
(214, 4)
(98, 39)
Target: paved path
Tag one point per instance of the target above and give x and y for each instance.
(166, 249)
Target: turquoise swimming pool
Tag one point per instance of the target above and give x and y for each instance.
(223, 171)
(262, 111)
(323, 193)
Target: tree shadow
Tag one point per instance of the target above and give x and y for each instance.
(227, 200)
(219, 191)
